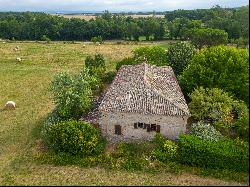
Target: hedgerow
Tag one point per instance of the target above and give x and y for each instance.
(224, 153)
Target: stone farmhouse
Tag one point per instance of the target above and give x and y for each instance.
(142, 100)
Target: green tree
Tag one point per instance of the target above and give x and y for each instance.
(220, 66)
(179, 56)
(207, 37)
(96, 65)
(72, 94)
(153, 55)
(133, 31)
(210, 104)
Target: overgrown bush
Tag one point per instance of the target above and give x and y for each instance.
(96, 65)
(75, 137)
(109, 77)
(211, 105)
(52, 118)
(155, 55)
(159, 141)
(221, 67)
(45, 38)
(218, 108)
(125, 61)
(72, 94)
(241, 127)
(205, 131)
(224, 153)
(97, 39)
(179, 56)
(166, 150)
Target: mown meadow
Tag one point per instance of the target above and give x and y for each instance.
(21, 147)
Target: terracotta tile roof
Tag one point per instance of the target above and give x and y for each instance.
(145, 89)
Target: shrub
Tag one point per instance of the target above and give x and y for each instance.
(224, 153)
(97, 39)
(159, 141)
(166, 150)
(179, 56)
(125, 61)
(241, 127)
(218, 67)
(96, 65)
(45, 38)
(210, 104)
(72, 94)
(75, 137)
(205, 131)
(52, 118)
(218, 108)
(155, 55)
(109, 77)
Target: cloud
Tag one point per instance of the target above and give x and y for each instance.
(113, 5)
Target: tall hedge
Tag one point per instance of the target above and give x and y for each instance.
(213, 154)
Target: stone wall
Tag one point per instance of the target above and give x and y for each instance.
(171, 126)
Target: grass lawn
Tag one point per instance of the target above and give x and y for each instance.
(26, 83)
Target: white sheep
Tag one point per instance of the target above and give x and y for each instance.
(10, 105)
(18, 59)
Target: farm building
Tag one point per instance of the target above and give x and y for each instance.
(142, 100)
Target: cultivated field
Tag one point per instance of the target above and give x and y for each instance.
(26, 83)
(89, 17)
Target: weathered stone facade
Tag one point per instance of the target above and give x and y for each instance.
(170, 126)
(142, 100)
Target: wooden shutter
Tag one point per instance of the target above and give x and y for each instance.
(158, 128)
(153, 127)
(148, 128)
(135, 125)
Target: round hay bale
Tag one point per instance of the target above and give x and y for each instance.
(18, 59)
(10, 105)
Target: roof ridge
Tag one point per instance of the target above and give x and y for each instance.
(158, 92)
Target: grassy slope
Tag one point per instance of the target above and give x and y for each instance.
(27, 83)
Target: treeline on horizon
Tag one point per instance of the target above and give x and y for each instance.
(177, 24)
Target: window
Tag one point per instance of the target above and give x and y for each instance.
(153, 127)
(140, 125)
(118, 130)
(149, 127)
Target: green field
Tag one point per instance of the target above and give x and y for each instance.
(26, 83)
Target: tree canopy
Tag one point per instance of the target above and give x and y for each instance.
(220, 66)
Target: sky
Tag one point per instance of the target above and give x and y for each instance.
(114, 5)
